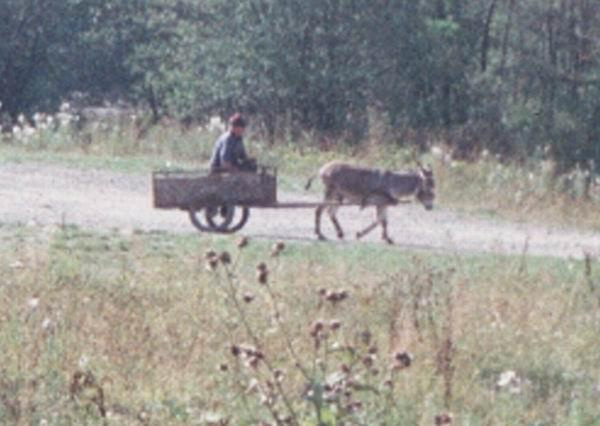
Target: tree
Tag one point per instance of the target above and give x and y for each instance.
(517, 78)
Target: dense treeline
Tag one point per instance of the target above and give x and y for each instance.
(518, 78)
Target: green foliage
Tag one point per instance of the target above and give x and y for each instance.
(512, 77)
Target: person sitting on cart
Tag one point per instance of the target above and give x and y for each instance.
(229, 154)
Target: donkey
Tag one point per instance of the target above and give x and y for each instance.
(381, 188)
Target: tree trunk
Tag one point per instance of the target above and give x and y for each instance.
(506, 37)
(485, 44)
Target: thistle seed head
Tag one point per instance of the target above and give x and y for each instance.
(210, 254)
(369, 360)
(235, 350)
(316, 328)
(402, 360)
(225, 258)
(277, 248)
(335, 325)
(262, 277)
(443, 419)
(243, 242)
(261, 267)
(212, 264)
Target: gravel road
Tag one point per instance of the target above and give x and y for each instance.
(45, 194)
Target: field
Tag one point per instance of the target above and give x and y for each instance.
(151, 328)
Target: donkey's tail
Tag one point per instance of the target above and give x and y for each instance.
(309, 182)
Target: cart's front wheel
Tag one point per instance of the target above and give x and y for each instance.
(224, 219)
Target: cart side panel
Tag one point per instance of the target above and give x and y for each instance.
(173, 191)
(188, 190)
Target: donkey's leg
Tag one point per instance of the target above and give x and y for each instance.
(382, 218)
(318, 213)
(332, 210)
(329, 195)
(368, 229)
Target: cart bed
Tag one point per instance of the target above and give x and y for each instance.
(198, 189)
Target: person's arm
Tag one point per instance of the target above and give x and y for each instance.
(241, 150)
(228, 154)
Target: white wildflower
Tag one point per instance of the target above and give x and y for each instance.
(83, 361)
(64, 118)
(436, 151)
(215, 124)
(38, 118)
(46, 323)
(510, 381)
(17, 265)
(506, 378)
(253, 386)
(33, 302)
(28, 131)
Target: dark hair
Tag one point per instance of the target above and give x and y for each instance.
(237, 120)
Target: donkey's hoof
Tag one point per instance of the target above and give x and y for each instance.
(340, 236)
(321, 237)
(389, 241)
(358, 236)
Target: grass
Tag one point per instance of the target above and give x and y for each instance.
(527, 193)
(110, 328)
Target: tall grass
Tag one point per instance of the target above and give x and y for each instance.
(158, 329)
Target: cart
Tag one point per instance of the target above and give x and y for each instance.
(220, 202)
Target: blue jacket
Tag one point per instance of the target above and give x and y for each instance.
(228, 148)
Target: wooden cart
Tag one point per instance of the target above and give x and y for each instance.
(216, 202)
(220, 202)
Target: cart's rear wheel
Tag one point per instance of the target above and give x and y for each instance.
(224, 219)
(197, 217)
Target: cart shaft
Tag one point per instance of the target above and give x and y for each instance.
(314, 204)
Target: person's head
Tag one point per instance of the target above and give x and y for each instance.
(237, 124)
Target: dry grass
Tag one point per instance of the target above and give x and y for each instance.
(159, 329)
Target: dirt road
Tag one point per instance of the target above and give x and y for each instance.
(48, 194)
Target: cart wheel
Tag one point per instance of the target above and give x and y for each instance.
(222, 219)
(226, 219)
(197, 219)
